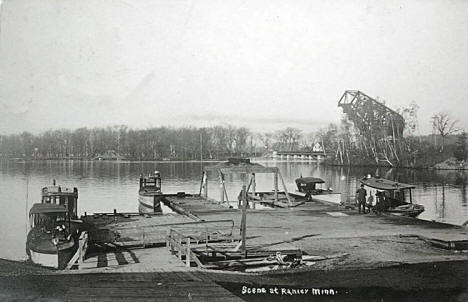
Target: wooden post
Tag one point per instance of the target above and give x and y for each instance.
(250, 184)
(171, 242)
(80, 251)
(206, 240)
(221, 185)
(254, 184)
(168, 238)
(187, 254)
(224, 190)
(202, 182)
(285, 189)
(179, 242)
(276, 186)
(244, 221)
(115, 215)
(206, 186)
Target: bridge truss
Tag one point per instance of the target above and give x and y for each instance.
(370, 116)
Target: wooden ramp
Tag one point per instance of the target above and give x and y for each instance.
(132, 260)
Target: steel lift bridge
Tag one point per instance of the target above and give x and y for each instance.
(371, 116)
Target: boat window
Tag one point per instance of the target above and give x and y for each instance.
(45, 221)
(400, 195)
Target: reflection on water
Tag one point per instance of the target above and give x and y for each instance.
(104, 186)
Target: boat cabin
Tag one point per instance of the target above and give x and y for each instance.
(66, 197)
(47, 216)
(390, 192)
(309, 185)
(151, 182)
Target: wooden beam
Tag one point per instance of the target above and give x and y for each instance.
(221, 185)
(201, 182)
(249, 185)
(285, 189)
(188, 253)
(276, 186)
(80, 253)
(224, 187)
(244, 222)
(206, 186)
(254, 184)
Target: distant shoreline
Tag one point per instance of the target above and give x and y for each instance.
(438, 167)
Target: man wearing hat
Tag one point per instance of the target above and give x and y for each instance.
(361, 194)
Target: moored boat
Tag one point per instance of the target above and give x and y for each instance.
(312, 188)
(149, 194)
(54, 228)
(49, 242)
(391, 197)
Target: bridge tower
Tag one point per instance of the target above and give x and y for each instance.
(369, 115)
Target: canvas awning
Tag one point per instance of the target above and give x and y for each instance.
(240, 167)
(309, 180)
(47, 208)
(385, 184)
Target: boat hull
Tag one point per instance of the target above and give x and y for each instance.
(52, 259)
(414, 212)
(43, 259)
(334, 198)
(149, 204)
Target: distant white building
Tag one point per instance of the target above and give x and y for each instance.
(317, 148)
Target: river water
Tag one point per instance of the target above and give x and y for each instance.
(107, 185)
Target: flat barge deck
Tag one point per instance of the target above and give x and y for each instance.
(126, 242)
(131, 250)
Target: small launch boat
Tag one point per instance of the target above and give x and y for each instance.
(313, 190)
(391, 197)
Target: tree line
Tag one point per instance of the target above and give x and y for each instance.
(184, 143)
(343, 144)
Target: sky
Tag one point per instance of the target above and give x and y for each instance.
(262, 64)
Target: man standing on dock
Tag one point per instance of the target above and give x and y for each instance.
(361, 194)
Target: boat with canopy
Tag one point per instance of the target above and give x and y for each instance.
(54, 227)
(393, 197)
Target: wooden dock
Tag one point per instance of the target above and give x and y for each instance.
(315, 228)
(128, 259)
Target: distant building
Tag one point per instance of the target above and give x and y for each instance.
(317, 148)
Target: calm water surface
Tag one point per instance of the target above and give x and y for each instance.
(104, 186)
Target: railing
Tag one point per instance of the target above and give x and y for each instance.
(175, 243)
(156, 234)
(82, 248)
(80, 253)
(182, 240)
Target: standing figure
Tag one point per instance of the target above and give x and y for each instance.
(361, 194)
(370, 202)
